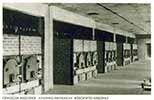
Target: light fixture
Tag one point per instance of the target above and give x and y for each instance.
(92, 13)
(115, 23)
(114, 29)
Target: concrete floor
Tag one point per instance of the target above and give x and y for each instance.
(125, 80)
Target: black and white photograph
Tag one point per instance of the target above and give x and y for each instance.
(76, 48)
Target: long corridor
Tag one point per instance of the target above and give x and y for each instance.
(124, 80)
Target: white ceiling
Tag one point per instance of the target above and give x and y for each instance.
(134, 18)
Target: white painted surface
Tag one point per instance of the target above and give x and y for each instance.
(11, 89)
(93, 45)
(38, 90)
(142, 48)
(86, 46)
(22, 87)
(78, 45)
(134, 46)
(29, 85)
(31, 45)
(126, 46)
(10, 45)
(107, 46)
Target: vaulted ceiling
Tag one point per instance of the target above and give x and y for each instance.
(134, 18)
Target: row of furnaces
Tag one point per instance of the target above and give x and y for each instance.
(85, 59)
(87, 54)
(22, 72)
(110, 56)
(27, 66)
(134, 52)
(129, 53)
(89, 57)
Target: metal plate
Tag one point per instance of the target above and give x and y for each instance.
(11, 71)
(88, 59)
(94, 58)
(81, 60)
(31, 67)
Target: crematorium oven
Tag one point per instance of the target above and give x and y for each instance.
(126, 53)
(134, 52)
(110, 56)
(75, 53)
(85, 59)
(22, 53)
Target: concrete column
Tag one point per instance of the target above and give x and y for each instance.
(142, 48)
(114, 37)
(93, 33)
(126, 39)
(114, 31)
(48, 55)
(135, 41)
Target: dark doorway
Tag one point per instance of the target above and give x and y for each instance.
(149, 49)
(62, 61)
(100, 50)
(119, 54)
(131, 51)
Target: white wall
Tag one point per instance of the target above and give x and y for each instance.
(142, 48)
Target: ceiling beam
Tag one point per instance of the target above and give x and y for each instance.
(143, 36)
